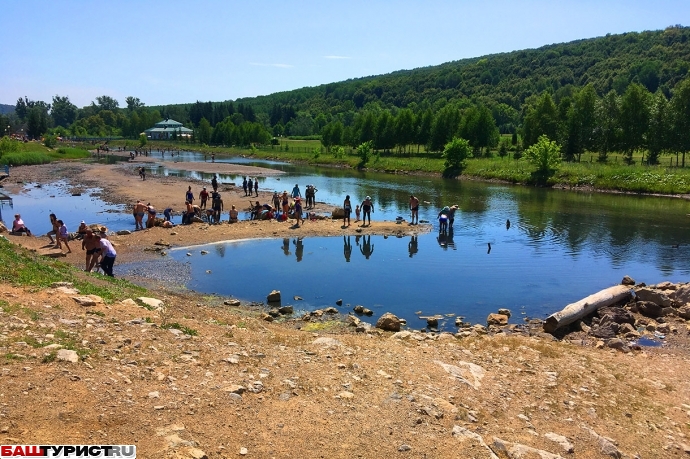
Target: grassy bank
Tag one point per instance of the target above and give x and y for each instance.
(24, 268)
(614, 175)
(16, 153)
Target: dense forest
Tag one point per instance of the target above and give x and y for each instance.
(623, 93)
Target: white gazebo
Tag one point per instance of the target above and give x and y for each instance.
(166, 129)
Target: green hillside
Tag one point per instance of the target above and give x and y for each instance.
(502, 82)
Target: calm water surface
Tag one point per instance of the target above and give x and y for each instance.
(560, 246)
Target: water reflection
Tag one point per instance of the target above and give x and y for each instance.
(299, 248)
(367, 248)
(286, 246)
(347, 248)
(412, 246)
(445, 239)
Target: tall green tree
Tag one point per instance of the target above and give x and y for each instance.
(204, 132)
(37, 122)
(63, 111)
(659, 131)
(133, 103)
(634, 119)
(478, 127)
(404, 129)
(444, 128)
(607, 132)
(425, 121)
(541, 119)
(680, 112)
(106, 103)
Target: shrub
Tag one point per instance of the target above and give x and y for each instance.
(8, 145)
(545, 155)
(364, 153)
(456, 152)
(50, 141)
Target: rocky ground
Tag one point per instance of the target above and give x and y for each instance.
(190, 376)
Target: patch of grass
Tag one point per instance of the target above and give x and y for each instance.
(321, 326)
(241, 324)
(182, 328)
(49, 357)
(11, 356)
(96, 313)
(21, 267)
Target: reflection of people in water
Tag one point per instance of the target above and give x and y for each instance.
(367, 248)
(449, 238)
(299, 248)
(412, 246)
(347, 248)
(286, 246)
(357, 238)
(442, 239)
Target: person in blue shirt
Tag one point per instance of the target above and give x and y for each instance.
(296, 193)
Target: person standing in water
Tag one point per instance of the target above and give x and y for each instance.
(367, 210)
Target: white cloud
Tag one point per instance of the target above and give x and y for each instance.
(337, 57)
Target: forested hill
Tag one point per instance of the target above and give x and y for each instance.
(656, 59)
(5, 109)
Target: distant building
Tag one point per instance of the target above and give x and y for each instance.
(163, 130)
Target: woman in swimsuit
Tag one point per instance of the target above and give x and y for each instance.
(285, 202)
(348, 209)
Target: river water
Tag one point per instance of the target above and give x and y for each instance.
(560, 246)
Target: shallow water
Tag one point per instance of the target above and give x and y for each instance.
(559, 247)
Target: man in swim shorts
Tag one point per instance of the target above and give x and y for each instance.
(203, 197)
(93, 249)
(414, 209)
(139, 211)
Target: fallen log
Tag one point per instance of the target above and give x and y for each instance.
(586, 306)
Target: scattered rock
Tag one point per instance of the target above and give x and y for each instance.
(84, 300)
(243, 451)
(345, 395)
(232, 303)
(339, 302)
(403, 448)
(266, 317)
(273, 297)
(286, 310)
(649, 309)
(235, 389)
(606, 445)
(505, 312)
(519, 451)
(616, 314)
(466, 372)
(204, 252)
(497, 319)
(330, 310)
(655, 296)
(195, 453)
(388, 322)
(561, 440)
(154, 394)
(432, 322)
(627, 280)
(67, 355)
(153, 302)
(123, 232)
(326, 341)
(401, 335)
(463, 434)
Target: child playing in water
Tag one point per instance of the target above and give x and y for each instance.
(357, 213)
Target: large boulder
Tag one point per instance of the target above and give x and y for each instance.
(388, 322)
(338, 213)
(649, 309)
(273, 297)
(655, 296)
(681, 294)
(616, 314)
(684, 312)
(497, 319)
(606, 330)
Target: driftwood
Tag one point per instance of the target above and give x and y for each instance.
(586, 306)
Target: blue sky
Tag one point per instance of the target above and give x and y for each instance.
(182, 51)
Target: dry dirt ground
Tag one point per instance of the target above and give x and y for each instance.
(241, 386)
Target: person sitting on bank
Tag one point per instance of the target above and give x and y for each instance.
(18, 225)
(233, 215)
(81, 231)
